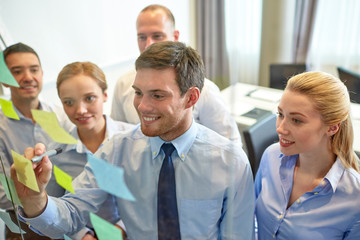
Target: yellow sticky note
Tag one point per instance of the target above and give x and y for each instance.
(63, 179)
(24, 171)
(48, 121)
(8, 109)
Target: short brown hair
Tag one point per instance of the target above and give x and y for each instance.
(187, 63)
(19, 48)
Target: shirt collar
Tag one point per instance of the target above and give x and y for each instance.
(335, 173)
(332, 177)
(21, 116)
(182, 144)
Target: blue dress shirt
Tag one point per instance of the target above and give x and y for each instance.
(73, 159)
(331, 211)
(214, 188)
(17, 135)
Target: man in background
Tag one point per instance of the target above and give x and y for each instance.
(156, 23)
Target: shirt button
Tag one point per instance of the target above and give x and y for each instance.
(280, 216)
(316, 193)
(298, 201)
(182, 155)
(154, 153)
(273, 235)
(323, 182)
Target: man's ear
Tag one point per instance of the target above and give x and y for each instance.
(176, 35)
(192, 96)
(333, 129)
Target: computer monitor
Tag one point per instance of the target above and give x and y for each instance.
(352, 82)
(280, 73)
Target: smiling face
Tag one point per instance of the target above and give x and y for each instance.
(161, 109)
(299, 126)
(154, 26)
(83, 99)
(26, 69)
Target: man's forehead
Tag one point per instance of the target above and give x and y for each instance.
(150, 78)
(23, 58)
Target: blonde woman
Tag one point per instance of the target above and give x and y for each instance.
(308, 184)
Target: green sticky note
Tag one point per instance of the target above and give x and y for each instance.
(24, 171)
(48, 121)
(10, 189)
(5, 216)
(63, 179)
(5, 75)
(105, 230)
(8, 109)
(66, 237)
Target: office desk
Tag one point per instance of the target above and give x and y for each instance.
(242, 98)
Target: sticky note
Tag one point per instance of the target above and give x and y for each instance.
(5, 75)
(10, 190)
(63, 179)
(48, 121)
(110, 178)
(8, 109)
(66, 237)
(24, 171)
(5, 216)
(105, 230)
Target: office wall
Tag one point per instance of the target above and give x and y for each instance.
(276, 35)
(83, 30)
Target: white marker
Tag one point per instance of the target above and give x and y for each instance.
(48, 153)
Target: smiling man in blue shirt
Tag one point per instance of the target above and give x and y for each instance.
(214, 186)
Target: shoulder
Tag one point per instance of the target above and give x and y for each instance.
(123, 143)
(354, 177)
(114, 126)
(210, 87)
(271, 157)
(126, 79)
(212, 140)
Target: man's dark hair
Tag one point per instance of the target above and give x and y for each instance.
(19, 48)
(187, 63)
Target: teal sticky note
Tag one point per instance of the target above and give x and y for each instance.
(5, 75)
(9, 223)
(105, 230)
(10, 189)
(110, 178)
(66, 237)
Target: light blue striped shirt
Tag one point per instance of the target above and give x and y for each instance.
(214, 188)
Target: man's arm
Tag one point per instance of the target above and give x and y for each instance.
(238, 220)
